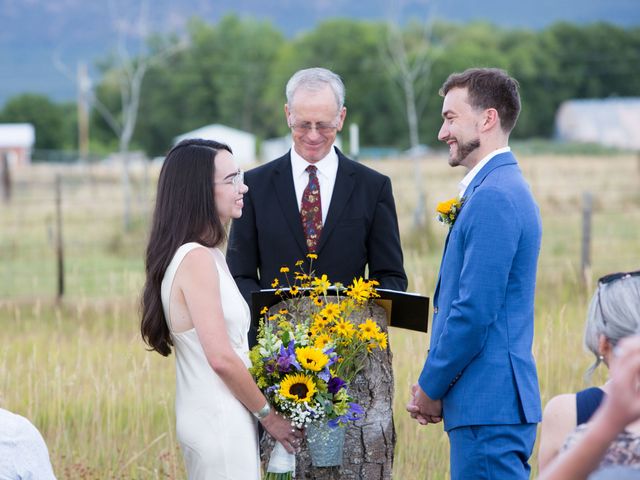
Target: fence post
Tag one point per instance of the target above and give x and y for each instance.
(5, 180)
(587, 213)
(59, 240)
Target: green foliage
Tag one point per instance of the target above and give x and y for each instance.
(53, 122)
(234, 72)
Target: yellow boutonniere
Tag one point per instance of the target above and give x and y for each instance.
(448, 211)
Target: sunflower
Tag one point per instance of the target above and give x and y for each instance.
(368, 329)
(317, 301)
(311, 358)
(298, 387)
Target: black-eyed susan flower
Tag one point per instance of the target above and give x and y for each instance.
(275, 283)
(322, 340)
(298, 387)
(321, 284)
(312, 256)
(284, 269)
(331, 311)
(368, 329)
(344, 328)
(361, 290)
(311, 358)
(264, 310)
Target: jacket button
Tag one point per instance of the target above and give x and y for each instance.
(435, 309)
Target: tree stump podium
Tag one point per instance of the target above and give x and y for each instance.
(370, 441)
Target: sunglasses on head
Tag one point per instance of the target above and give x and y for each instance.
(612, 277)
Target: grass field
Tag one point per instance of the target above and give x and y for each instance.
(80, 372)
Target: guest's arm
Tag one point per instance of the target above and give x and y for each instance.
(620, 407)
(558, 421)
(383, 243)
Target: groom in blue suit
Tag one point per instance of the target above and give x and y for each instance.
(480, 375)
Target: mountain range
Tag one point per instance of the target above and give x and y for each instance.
(41, 41)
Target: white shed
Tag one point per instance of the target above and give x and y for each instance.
(242, 143)
(17, 141)
(612, 122)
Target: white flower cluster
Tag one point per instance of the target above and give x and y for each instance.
(302, 414)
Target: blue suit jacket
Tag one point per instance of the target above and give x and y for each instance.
(480, 362)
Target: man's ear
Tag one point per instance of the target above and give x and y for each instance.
(490, 119)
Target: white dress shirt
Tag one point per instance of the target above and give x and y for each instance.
(468, 178)
(327, 171)
(23, 453)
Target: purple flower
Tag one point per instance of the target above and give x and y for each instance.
(354, 413)
(287, 358)
(269, 366)
(335, 385)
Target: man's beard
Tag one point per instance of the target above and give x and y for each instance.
(464, 150)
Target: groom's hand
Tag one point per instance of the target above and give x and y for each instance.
(422, 408)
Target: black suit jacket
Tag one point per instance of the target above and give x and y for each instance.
(361, 229)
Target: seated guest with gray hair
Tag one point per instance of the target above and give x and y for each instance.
(614, 313)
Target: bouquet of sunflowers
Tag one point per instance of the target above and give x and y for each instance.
(309, 351)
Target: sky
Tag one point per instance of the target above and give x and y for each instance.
(42, 41)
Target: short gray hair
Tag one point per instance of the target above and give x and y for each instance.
(614, 312)
(315, 79)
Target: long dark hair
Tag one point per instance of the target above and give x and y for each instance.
(185, 212)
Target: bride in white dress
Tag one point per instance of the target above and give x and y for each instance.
(191, 302)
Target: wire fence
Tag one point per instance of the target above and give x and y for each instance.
(62, 232)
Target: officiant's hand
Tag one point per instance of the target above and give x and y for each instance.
(422, 408)
(281, 429)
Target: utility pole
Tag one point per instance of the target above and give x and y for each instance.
(84, 90)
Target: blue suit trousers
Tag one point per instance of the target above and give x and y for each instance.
(492, 452)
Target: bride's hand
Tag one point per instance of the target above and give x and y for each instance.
(283, 431)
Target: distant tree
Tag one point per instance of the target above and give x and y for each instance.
(46, 116)
(125, 73)
(220, 77)
(351, 49)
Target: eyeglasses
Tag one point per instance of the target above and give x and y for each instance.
(610, 278)
(320, 127)
(236, 179)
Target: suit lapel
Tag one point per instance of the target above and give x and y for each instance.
(498, 161)
(342, 190)
(283, 185)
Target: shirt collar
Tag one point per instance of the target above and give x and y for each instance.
(326, 166)
(468, 178)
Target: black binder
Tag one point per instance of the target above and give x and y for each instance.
(404, 310)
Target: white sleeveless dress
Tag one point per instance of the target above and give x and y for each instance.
(218, 435)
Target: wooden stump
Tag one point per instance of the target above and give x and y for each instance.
(369, 442)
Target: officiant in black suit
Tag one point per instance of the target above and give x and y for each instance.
(316, 200)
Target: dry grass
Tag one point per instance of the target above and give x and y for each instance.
(105, 405)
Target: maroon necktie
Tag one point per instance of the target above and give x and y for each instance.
(311, 210)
